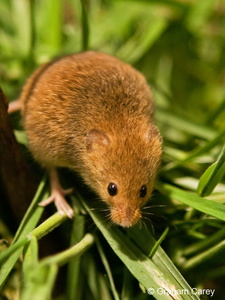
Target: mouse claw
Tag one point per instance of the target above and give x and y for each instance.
(58, 196)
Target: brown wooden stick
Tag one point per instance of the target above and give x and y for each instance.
(17, 184)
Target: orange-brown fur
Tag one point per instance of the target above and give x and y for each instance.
(94, 114)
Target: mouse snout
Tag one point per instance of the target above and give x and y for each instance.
(125, 216)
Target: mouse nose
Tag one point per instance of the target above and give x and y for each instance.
(125, 217)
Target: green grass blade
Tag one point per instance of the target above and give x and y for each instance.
(32, 26)
(144, 239)
(168, 118)
(108, 271)
(138, 44)
(206, 243)
(21, 137)
(204, 256)
(40, 282)
(198, 13)
(11, 251)
(144, 269)
(85, 25)
(63, 257)
(158, 243)
(215, 114)
(21, 13)
(212, 176)
(49, 17)
(30, 258)
(12, 254)
(28, 223)
(34, 211)
(210, 207)
(73, 274)
(198, 151)
(127, 293)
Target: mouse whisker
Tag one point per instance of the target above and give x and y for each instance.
(154, 206)
(107, 217)
(90, 224)
(142, 224)
(110, 223)
(104, 209)
(157, 217)
(100, 209)
(147, 220)
(149, 213)
(93, 208)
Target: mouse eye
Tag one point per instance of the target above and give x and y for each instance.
(112, 189)
(143, 191)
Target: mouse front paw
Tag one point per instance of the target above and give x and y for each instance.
(58, 196)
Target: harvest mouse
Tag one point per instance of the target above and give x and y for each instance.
(93, 113)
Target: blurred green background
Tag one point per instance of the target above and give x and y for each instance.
(180, 47)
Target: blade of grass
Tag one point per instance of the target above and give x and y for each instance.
(212, 176)
(9, 254)
(63, 257)
(197, 152)
(32, 16)
(144, 239)
(48, 266)
(210, 207)
(9, 257)
(34, 211)
(171, 3)
(93, 275)
(108, 271)
(21, 137)
(215, 273)
(127, 283)
(29, 221)
(144, 269)
(104, 292)
(40, 231)
(30, 258)
(204, 256)
(206, 243)
(198, 13)
(85, 25)
(40, 283)
(142, 41)
(158, 243)
(72, 284)
(21, 14)
(190, 127)
(51, 16)
(216, 112)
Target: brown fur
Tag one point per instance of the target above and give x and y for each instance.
(94, 114)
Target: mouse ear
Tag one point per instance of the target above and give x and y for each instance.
(95, 139)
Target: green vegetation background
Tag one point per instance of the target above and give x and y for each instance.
(180, 47)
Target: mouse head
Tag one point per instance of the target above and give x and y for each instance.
(123, 170)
